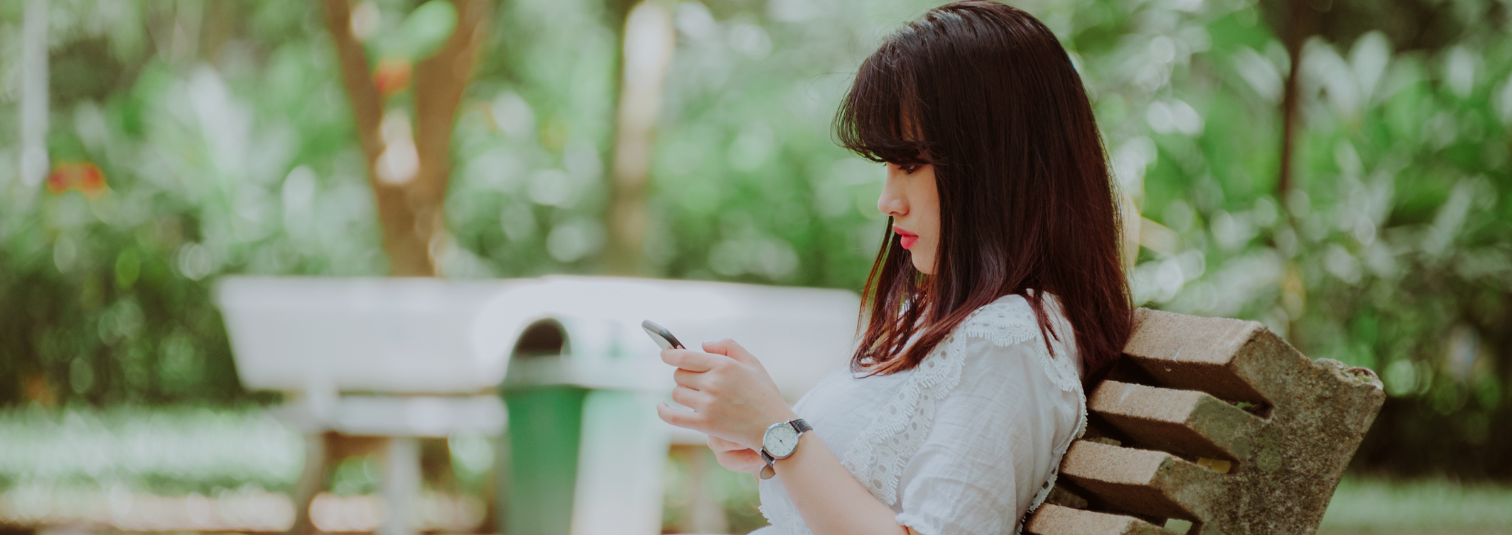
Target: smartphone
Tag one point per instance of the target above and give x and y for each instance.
(661, 335)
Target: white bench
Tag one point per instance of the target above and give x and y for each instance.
(389, 358)
(408, 358)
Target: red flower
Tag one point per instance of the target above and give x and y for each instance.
(392, 75)
(83, 176)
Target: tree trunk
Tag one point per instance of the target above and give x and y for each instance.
(410, 206)
(647, 45)
(409, 201)
(1296, 34)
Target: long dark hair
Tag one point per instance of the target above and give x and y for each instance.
(985, 93)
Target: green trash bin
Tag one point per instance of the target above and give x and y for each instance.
(545, 428)
(584, 454)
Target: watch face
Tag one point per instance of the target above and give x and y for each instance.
(780, 440)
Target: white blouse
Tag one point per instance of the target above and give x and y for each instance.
(967, 442)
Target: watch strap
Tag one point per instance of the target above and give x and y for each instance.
(800, 425)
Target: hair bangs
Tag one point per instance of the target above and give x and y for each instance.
(878, 119)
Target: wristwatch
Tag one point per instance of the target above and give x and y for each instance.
(779, 442)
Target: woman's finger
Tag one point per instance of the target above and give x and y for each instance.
(689, 398)
(680, 418)
(719, 444)
(693, 380)
(747, 461)
(693, 361)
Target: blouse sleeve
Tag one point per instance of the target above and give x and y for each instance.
(994, 443)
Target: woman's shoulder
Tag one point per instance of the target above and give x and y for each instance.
(1006, 321)
(1010, 320)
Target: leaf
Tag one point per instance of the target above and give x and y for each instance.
(425, 30)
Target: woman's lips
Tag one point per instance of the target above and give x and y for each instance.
(906, 239)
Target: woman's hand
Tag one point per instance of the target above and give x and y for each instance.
(736, 458)
(731, 395)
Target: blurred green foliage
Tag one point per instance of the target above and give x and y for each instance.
(228, 147)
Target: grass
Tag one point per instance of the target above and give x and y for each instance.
(1418, 507)
(185, 450)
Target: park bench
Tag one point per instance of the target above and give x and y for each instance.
(371, 365)
(382, 363)
(1215, 422)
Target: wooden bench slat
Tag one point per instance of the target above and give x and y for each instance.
(1056, 520)
(1146, 482)
(1196, 353)
(1186, 422)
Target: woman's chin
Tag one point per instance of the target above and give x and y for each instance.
(927, 270)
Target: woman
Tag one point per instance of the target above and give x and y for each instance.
(999, 289)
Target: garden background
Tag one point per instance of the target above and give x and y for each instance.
(1340, 170)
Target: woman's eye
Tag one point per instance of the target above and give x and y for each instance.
(906, 168)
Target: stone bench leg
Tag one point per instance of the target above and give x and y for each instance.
(400, 485)
(310, 481)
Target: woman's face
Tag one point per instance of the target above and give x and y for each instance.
(910, 198)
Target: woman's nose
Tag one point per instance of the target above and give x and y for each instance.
(890, 203)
